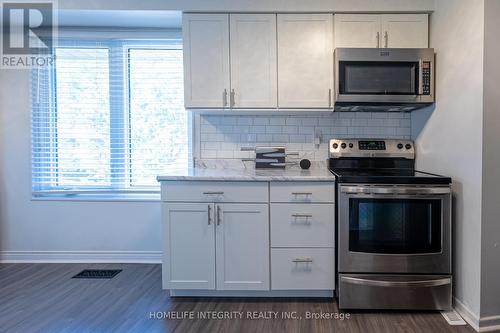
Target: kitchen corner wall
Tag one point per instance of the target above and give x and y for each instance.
(222, 136)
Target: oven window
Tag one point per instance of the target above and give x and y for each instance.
(395, 226)
(378, 78)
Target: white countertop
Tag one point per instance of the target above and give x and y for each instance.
(240, 171)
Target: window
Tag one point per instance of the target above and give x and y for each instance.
(108, 116)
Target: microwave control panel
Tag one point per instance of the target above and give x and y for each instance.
(426, 77)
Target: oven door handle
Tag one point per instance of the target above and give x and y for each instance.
(395, 190)
(384, 283)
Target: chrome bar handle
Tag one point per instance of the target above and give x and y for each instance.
(420, 77)
(386, 39)
(378, 39)
(301, 193)
(382, 283)
(209, 213)
(218, 215)
(224, 97)
(213, 193)
(300, 260)
(302, 215)
(329, 98)
(231, 98)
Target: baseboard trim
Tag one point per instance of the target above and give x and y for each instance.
(252, 293)
(490, 323)
(153, 257)
(484, 324)
(470, 317)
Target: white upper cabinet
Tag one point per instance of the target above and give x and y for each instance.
(206, 60)
(305, 60)
(382, 30)
(253, 61)
(357, 30)
(285, 61)
(405, 30)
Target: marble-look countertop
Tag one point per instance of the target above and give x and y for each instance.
(244, 171)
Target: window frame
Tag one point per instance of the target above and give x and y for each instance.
(119, 112)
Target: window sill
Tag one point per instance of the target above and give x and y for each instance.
(97, 197)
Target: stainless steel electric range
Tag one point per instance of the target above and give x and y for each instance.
(393, 227)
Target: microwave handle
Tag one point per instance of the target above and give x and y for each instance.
(420, 77)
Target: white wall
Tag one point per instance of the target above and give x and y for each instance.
(490, 230)
(451, 140)
(34, 226)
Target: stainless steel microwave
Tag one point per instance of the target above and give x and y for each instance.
(383, 79)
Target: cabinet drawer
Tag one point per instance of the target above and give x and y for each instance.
(208, 191)
(302, 225)
(303, 268)
(302, 192)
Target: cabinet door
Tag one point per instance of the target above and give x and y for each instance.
(189, 246)
(405, 30)
(253, 60)
(242, 236)
(206, 60)
(357, 30)
(305, 60)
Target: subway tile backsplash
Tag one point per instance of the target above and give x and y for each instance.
(222, 136)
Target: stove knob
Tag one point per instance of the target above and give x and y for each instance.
(400, 146)
(343, 145)
(408, 146)
(335, 146)
(351, 145)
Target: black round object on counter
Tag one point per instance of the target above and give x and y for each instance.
(305, 163)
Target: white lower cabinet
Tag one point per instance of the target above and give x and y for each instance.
(216, 246)
(242, 247)
(188, 246)
(303, 268)
(246, 240)
(302, 225)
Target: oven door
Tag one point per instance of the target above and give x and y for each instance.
(394, 229)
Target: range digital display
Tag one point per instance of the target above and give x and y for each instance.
(371, 145)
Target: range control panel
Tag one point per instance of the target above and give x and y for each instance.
(371, 148)
(371, 145)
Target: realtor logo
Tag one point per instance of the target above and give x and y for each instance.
(28, 28)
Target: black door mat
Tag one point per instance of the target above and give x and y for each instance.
(97, 274)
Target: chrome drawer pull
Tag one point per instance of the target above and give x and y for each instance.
(300, 260)
(209, 213)
(302, 215)
(213, 193)
(301, 193)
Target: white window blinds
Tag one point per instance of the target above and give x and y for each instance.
(108, 116)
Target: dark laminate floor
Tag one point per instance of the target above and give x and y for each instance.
(44, 298)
